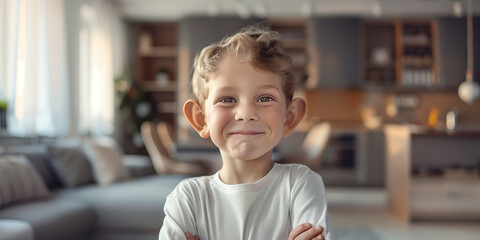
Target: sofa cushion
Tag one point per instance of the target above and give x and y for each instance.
(15, 230)
(106, 160)
(19, 181)
(136, 205)
(70, 165)
(42, 165)
(138, 165)
(54, 218)
(39, 157)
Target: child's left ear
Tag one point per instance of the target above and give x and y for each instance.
(295, 112)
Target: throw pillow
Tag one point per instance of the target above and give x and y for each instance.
(39, 158)
(19, 181)
(106, 160)
(70, 165)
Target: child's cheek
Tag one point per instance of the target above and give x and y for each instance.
(218, 120)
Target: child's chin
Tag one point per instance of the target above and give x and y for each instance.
(250, 156)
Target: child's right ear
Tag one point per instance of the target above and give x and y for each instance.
(195, 115)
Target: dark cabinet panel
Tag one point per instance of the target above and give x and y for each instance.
(452, 50)
(338, 43)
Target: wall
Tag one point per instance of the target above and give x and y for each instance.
(336, 105)
(343, 107)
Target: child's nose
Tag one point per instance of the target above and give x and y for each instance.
(246, 112)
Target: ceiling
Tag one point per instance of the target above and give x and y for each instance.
(176, 9)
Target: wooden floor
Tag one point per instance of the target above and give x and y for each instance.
(361, 214)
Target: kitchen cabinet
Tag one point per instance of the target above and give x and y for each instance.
(338, 44)
(400, 53)
(452, 50)
(432, 175)
(417, 54)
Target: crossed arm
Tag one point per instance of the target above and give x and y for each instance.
(302, 232)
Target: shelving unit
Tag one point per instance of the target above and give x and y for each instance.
(400, 53)
(380, 57)
(417, 59)
(296, 35)
(157, 66)
(153, 94)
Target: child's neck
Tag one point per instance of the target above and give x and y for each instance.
(236, 171)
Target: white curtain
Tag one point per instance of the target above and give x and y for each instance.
(34, 70)
(101, 45)
(43, 98)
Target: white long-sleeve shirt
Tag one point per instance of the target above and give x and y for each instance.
(286, 197)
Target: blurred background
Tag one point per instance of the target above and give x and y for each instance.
(396, 81)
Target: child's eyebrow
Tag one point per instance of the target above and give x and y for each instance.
(268, 86)
(226, 88)
(263, 87)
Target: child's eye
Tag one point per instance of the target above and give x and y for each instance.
(266, 99)
(227, 100)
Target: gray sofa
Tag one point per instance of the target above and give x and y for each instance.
(131, 209)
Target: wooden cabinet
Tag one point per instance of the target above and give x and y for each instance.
(432, 175)
(156, 68)
(417, 54)
(400, 53)
(380, 54)
(152, 95)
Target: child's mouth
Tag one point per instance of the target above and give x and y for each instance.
(246, 133)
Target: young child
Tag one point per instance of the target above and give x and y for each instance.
(243, 89)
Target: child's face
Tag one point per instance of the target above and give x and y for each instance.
(245, 111)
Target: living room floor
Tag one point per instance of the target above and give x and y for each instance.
(362, 214)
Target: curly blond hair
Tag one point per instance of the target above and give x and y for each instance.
(257, 45)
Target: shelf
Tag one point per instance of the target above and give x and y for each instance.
(167, 107)
(156, 74)
(159, 52)
(407, 46)
(376, 66)
(412, 45)
(149, 67)
(152, 86)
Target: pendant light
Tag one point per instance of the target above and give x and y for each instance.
(469, 91)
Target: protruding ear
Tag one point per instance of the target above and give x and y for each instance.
(295, 112)
(194, 113)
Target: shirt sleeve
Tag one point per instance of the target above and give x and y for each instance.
(309, 203)
(179, 218)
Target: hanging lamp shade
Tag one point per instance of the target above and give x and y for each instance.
(469, 90)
